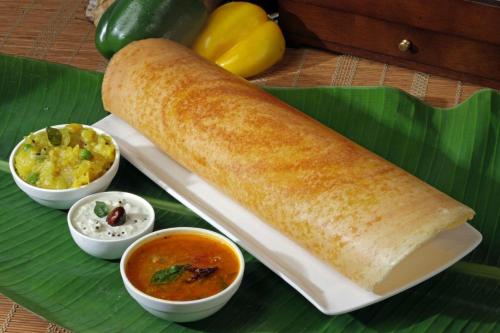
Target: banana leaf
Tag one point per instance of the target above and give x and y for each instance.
(456, 150)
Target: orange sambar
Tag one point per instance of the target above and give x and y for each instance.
(198, 266)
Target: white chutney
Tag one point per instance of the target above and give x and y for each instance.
(86, 221)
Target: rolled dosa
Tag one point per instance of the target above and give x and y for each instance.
(351, 208)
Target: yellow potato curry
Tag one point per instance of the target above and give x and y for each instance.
(63, 158)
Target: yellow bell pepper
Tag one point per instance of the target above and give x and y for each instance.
(239, 37)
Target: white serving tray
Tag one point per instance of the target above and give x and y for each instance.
(323, 286)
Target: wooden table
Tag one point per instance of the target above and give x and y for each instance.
(57, 31)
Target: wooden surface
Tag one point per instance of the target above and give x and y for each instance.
(457, 17)
(466, 54)
(57, 31)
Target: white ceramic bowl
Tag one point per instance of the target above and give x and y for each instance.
(104, 248)
(182, 311)
(63, 199)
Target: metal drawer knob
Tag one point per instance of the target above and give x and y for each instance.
(404, 45)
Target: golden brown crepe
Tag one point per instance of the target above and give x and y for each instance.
(348, 206)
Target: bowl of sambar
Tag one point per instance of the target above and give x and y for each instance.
(182, 274)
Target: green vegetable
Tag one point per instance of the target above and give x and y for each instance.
(27, 146)
(85, 154)
(168, 275)
(33, 178)
(101, 209)
(54, 135)
(126, 21)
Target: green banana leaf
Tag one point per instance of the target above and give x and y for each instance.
(456, 150)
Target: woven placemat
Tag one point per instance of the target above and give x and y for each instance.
(57, 31)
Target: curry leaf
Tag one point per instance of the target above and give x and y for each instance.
(101, 209)
(222, 284)
(54, 135)
(167, 275)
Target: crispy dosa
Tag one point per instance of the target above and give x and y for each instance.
(348, 206)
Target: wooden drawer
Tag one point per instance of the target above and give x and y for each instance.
(469, 55)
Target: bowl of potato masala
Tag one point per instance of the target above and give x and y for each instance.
(58, 165)
(182, 274)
